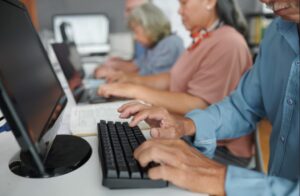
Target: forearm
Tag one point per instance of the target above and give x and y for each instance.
(125, 66)
(158, 81)
(179, 103)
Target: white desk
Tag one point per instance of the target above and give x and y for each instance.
(85, 181)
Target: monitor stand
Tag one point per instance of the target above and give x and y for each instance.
(67, 153)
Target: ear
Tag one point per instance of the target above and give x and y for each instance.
(211, 4)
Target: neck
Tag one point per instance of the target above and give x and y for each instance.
(210, 24)
(212, 20)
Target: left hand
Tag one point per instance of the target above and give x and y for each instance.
(119, 90)
(162, 123)
(182, 165)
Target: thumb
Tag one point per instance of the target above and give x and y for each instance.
(154, 132)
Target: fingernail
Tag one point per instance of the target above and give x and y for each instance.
(131, 124)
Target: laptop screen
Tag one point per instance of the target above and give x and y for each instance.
(70, 63)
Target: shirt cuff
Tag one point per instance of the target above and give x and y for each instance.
(205, 136)
(245, 182)
(240, 181)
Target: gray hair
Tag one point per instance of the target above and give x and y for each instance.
(155, 24)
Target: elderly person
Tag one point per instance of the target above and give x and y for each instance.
(152, 29)
(207, 71)
(139, 50)
(269, 90)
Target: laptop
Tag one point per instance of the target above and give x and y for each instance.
(72, 68)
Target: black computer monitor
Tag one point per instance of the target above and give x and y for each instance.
(32, 98)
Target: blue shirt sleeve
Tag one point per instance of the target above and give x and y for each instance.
(245, 182)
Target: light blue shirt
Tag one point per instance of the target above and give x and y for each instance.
(161, 57)
(270, 89)
(139, 50)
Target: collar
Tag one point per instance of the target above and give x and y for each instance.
(289, 31)
(203, 34)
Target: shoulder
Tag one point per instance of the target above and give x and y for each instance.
(276, 31)
(229, 37)
(171, 41)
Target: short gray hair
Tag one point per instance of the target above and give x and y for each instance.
(154, 22)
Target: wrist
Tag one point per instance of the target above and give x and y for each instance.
(137, 91)
(135, 79)
(221, 178)
(189, 127)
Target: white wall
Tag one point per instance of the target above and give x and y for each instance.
(170, 8)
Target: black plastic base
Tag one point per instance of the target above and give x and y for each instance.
(67, 153)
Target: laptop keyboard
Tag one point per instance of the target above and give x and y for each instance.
(117, 142)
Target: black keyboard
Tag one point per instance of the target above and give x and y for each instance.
(117, 142)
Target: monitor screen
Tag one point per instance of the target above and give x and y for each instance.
(29, 87)
(70, 63)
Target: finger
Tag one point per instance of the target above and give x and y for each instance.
(165, 133)
(106, 91)
(100, 91)
(111, 79)
(159, 151)
(132, 110)
(127, 105)
(165, 172)
(147, 114)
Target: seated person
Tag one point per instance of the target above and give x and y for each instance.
(270, 89)
(207, 71)
(153, 30)
(129, 6)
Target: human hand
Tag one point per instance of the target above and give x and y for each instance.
(119, 90)
(113, 62)
(162, 123)
(182, 165)
(103, 72)
(117, 76)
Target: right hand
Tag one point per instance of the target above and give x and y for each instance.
(162, 123)
(182, 165)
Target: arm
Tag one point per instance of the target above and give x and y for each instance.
(188, 168)
(175, 102)
(114, 66)
(157, 81)
(125, 66)
(235, 116)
